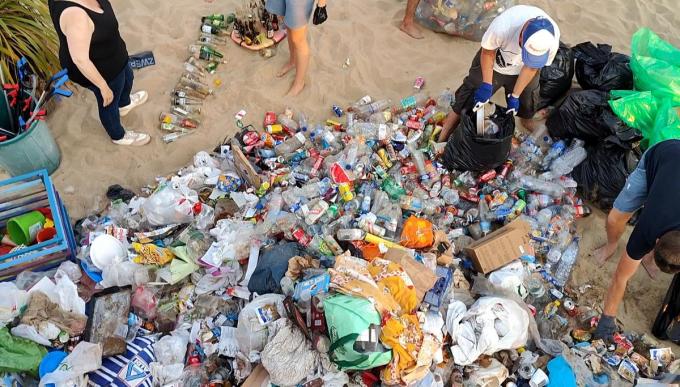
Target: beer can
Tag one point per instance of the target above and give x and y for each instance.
(337, 110)
(345, 191)
(419, 83)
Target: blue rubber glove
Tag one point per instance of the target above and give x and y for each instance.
(513, 104)
(482, 95)
(605, 328)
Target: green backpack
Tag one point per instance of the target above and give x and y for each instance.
(347, 318)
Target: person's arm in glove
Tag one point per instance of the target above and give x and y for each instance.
(485, 90)
(523, 79)
(624, 271)
(320, 14)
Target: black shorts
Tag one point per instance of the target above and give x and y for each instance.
(465, 94)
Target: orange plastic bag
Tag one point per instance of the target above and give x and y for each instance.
(417, 233)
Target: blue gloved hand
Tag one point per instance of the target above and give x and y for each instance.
(513, 104)
(605, 328)
(482, 95)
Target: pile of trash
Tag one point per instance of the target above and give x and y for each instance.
(332, 253)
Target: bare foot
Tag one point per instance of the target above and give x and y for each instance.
(412, 30)
(605, 252)
(285, 69)
(295, 89)
(650, 266)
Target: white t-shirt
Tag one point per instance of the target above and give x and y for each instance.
(503, 36)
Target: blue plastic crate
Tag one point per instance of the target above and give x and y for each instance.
(27, 193)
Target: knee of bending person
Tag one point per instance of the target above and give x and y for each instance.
(298, 35)
(667, 252)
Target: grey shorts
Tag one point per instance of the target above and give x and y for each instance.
(296, 13)
(634, 194)
(465, 95)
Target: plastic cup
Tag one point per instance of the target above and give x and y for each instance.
(24, 228)
(106, 250)
(46, 234)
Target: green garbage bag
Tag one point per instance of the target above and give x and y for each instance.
(666, 125)
(637, 109)
(18, 354)
(656, 65)
(348, 318)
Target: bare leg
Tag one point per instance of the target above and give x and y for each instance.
(650, 266)
(450, 122)
(291, 59)
(298, 37)
(616, 224)
(408, 25)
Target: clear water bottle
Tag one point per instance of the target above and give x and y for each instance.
(566, 263)
(552, 259)
(273, 209)
(377, 106)
(549, 188)
(291, 145)
(350, 234)
(484, 215)
(564, 164)
(450, 196)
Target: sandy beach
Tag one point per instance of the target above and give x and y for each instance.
(383, 63)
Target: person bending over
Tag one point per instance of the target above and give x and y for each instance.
(518, 43)
(655, 183)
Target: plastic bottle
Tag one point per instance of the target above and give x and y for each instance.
(555, 151)
(316, 211)
(564, 164)
(445, 100)
(350, 234)
(371, 108)
(541, 137)
(342, 222)
(371, 131)
(302, 122)
(273, 209)
(368, 223)
(290, 145)
(484, 215)
(419, 161)
(411, 102)
(552, 259)
(414, 204)
(533, 184)
(287, 122)
(449, 195)
(566, 263)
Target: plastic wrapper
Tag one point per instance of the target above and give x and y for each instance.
(85, 357)
(465, 18)
(417, 233)
(555, 80)
(12, 302)
(467, 151)
(599, 68)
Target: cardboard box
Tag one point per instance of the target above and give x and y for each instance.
(423, 279)
(500, 247)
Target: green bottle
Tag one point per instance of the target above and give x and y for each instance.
(392, 189)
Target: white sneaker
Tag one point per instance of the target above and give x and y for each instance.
(133, 139)
(136, 99)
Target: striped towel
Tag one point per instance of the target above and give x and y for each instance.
(130, 369)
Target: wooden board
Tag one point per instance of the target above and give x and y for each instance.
(245, 168)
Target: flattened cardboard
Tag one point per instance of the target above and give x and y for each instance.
(423, 279)
(245, 168)
(500, 247)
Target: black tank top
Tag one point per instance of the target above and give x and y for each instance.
(107, 48)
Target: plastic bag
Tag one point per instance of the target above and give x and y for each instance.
(637, 109)
(655, 64)
(170, 204)
(555, 80)
(599, 68)
(602, 175)
(288, 358)
(492, 324)
(19, 355)
(666, 125)
(85, 357)
(417, 233)
(251, 331)
(467, 152)
(586, 115)
(347, 318)
(12, 302)
(465, 18)
(667, 319)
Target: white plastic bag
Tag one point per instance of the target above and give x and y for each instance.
(510, 277)
(170, 204)
(492, 324)
(251, 331)
(64, 293)
(86, 357)
(123, 274)
(13, 300)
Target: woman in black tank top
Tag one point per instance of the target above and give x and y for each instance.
(91, 48)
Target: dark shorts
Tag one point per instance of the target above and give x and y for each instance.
(465, 99)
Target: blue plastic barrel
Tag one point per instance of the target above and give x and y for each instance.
(31, 150)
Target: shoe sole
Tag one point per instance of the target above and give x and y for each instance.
(148, 139)
(125, 112)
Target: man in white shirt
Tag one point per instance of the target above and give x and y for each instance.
(518, 43)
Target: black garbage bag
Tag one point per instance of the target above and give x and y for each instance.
(667, 323)
(602, 175)
(599, 68)
(272, 266)
(555, 80)
(586, 114)
(466, 151)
